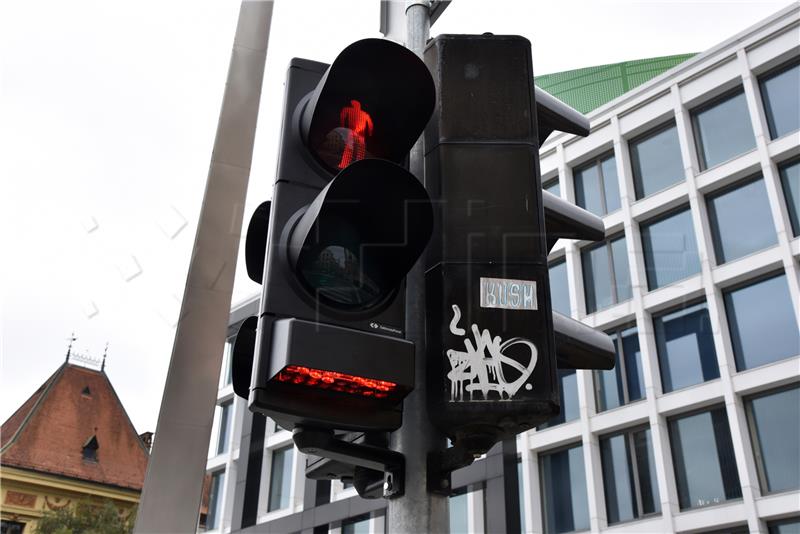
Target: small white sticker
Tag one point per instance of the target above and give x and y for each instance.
(508, 294)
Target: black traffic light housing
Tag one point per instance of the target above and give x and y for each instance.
(345, 224)
(493, 342)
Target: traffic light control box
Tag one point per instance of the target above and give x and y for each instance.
(491, 352)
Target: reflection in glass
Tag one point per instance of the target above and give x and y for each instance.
(336, 273)
(553, 187)
(605, 274)
(215, 500)
(759, 312)
(228, 358)
(568, 393)
(608, 167)
(565, 502)
(790, 178)
(775, 426)
(670, 249)
(723, 130)
(779, 92)
(521, 495)
(358, 525)
(629, 476)
(685, 346)
(786, 526)
(656, 161)
(559, 287)
(459, 513)
(597, 187)
(741, 221)
(705, 466)
(224, 427)
(624, 383)
(280, 480)
(618, 479)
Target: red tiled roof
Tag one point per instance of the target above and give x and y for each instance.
(48, 432)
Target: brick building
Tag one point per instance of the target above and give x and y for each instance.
(70, 441)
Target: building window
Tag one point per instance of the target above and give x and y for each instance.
(759, 312)
(624, 383)
(606, 276)
(564, 499)
(785, 526)
(559, 287)
(90, 449)
(790, 178)
(775, 432)
(685, 346)
(779, 92)
(597, 186)
(356, 525)
(741, 220)
(552, 186)
(521, 495)
(702, 454)
(215, 501)
(458, 509)
(12, 527)
(736, 529)
(722, 129)
(629, 475)
(280, 481)
(568, 393)
(224, 427)
(227, 361)
(670, 249)
(656, 160)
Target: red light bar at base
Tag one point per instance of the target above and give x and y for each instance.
(339, 382)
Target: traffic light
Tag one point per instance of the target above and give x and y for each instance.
(493, 342)
(346, 223)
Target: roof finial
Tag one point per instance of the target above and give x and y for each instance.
(71, 338)
(105, 353)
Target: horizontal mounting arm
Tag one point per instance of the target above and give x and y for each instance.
(563, 219)
(554, 115)
(581, 347)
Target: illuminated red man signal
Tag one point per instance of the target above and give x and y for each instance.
(359, 125)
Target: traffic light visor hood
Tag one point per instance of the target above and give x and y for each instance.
(373, 102)
(357, 240)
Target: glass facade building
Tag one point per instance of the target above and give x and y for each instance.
(696, 175)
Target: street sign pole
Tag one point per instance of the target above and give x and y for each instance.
(417, 510)
(173, 485)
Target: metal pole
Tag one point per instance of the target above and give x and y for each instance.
(417, 510)
(173, 485)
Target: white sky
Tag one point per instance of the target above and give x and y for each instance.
(108, 112)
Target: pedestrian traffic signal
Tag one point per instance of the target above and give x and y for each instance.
(492, 348)
(346, 223)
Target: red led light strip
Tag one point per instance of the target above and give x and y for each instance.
(340, 382)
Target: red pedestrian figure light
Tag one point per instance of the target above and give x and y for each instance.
(359, 125)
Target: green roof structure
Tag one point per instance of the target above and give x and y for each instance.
(589, 88)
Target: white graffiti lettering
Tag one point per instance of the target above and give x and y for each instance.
(472, 370)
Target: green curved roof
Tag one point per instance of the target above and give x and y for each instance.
(591, 87)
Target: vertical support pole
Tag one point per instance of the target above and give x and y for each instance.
(502, 489)
(417, 510)
(173, 485)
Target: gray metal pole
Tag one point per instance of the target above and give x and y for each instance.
(172, 489)
(418, 510)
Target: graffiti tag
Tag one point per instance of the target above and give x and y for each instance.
(480, 368)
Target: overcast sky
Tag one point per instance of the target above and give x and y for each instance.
(108, 112)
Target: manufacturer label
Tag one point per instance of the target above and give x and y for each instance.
(508, 294)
